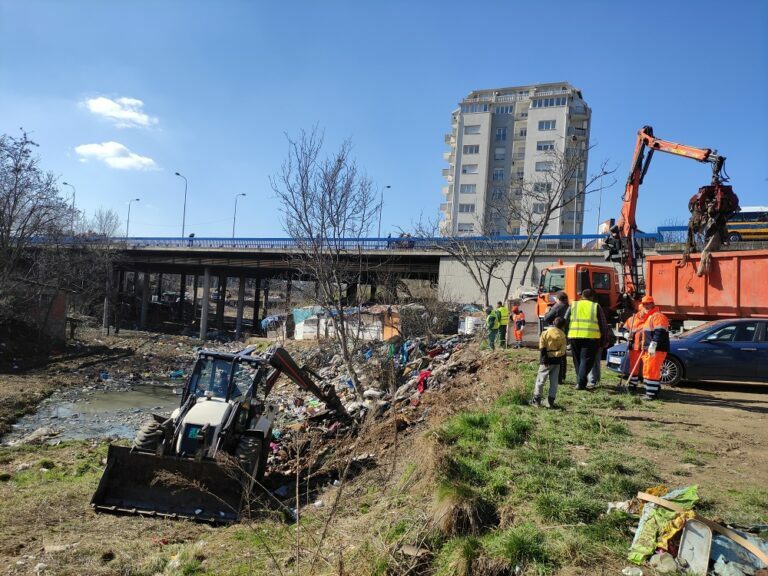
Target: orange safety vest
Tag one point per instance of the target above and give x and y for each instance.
(656, 321)
(634, 325)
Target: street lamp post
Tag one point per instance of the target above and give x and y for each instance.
(184, 213)
(74, 194)
(381, 207)
(128, 223)
(234, 216)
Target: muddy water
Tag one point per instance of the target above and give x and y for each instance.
(116, 411)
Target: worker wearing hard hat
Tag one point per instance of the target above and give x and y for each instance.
(655, 346)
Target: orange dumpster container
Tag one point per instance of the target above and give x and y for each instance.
(736, 286)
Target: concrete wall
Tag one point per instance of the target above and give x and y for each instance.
(456, 284)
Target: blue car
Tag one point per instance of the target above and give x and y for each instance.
(721, 351)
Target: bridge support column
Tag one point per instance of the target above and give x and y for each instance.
(134, 310)
(266, 301)
(144, 300)
(182, 296)
(351, 294)
(256, 303)
(160, 287)
(222, 292)
(194, 299)
(373, 292)
(240, 305)
(204, 304)
(288, 289)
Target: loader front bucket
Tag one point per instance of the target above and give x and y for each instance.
(149, 485)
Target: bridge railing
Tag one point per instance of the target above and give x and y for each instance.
(371, 244)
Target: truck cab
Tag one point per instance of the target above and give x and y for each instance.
(573, 279)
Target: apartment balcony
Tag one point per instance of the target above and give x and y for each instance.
(518, 138)
(447, 190)
(579, 111)
(518, 156)
(450, 139)
(551, 92)
(450, 157)
(446, 207)
(580, 132)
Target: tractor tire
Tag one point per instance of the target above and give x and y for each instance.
(149, 436)
(251, 454)
(734, 237)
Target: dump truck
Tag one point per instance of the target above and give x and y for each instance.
(734, 287)
(668, 278)
(207, 459)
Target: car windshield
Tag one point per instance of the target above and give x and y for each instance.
(698, 331)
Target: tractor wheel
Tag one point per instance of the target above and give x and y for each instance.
(251, 454)
(149, 435)
(734, 237)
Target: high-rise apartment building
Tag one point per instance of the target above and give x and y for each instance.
(502, 143)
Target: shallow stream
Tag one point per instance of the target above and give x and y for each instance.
(94, 412)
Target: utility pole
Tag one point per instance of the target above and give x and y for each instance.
(184, 213)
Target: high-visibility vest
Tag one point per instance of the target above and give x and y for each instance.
(583, 321)
(492, 321)
(503, 315)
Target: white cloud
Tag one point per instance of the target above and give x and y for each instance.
(114, 155)
(124, 112)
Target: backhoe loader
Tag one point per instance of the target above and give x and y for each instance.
(203, 461)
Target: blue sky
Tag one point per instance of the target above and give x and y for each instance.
(221, 82)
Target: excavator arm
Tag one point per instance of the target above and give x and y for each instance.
(283, 363)
(710, 207)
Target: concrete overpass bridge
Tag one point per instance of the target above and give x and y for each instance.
(258, 262)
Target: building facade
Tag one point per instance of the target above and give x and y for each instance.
(505, 145)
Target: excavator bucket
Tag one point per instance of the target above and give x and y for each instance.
(165, 486)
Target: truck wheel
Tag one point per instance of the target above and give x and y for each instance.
(671, 371)
(251, 454)
(149, 435)
(734, 237)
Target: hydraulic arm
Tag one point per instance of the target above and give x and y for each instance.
(710, 207)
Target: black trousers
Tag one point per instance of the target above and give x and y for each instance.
(503, 335)
(563, 368)
(584, 355)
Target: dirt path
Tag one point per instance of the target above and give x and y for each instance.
(713, 435)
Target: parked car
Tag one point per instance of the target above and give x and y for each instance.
(722, 351)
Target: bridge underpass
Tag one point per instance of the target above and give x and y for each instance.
(256, 270)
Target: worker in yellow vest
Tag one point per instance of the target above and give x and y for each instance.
(503, 313)
(586, 329)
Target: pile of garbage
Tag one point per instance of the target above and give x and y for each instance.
(393, 377)
(672, 538)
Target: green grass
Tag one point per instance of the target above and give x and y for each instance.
(556, 469)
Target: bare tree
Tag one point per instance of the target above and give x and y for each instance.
(526, 210)
(31, 213)
(325, 200)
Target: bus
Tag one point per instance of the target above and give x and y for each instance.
(750, 223)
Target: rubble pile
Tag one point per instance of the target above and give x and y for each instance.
(393, 378)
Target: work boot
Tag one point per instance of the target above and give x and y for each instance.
(536, 401)
(551, 403)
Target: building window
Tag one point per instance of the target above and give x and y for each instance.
(466, 227)
(471, 108)
(501, 134)
(468, 188)
(514, 231)
(546, 125)
(524, 132)
(497, 193)
(548, 102)
(538, 208)
(542, 187)
(499, 153)
(543, 145)
(518, 192)
(471, 149)
(504, 110)
(467, 208)
(543, 166)
(498, 174)
(469, 168)
(472, 129)
(520, 174)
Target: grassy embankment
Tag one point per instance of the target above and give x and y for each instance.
(483, 492)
